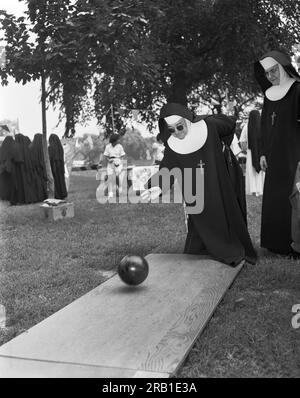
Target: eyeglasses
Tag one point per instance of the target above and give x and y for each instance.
(172, 130)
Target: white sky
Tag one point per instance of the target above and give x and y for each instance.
(22, 102)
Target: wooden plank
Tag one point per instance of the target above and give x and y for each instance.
(149, 328)
(26, 368)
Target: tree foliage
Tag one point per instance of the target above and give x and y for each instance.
(180, 46)
(137, 54)
(134, 145)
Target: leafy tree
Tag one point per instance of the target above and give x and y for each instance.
(221, 97)
(45, 49)
(92, 146)
(176, 46)
(136, 54)
(25, 61)
(134, 144)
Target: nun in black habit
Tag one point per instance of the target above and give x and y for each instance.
(39, 168)
(10, 157)
(219, 229)
(56, 155)
(280, 127)
(25, 172)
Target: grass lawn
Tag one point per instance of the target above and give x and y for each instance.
(47, 265)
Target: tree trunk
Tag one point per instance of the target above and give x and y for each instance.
(50, 184)
(179, 89)
(218, 109)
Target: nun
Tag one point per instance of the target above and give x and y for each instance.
(10, 158)
(219, 228)
(25, 172)
(56, 155)
(280, 152)
(39, 168)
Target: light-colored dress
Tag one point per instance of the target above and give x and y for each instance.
(115, 153)
(254, 181)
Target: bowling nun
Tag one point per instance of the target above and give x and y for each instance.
(218, 227)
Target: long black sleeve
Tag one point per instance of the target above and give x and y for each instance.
(225, 126)
(166, 163)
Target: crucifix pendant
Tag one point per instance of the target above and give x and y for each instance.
(273, 118)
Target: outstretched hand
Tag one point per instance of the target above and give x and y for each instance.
(263, 163)
(151, 194)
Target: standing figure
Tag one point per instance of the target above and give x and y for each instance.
(280, 147)
(250, 141)
(25, 172)
(70, 151)
(57, 162)
(194, 148)
(114, 152)
(10, 157)
(39, 168)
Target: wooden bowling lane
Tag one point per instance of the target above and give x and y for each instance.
(145, 328)
(27, 368)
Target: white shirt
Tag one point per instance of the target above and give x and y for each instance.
(114, 151)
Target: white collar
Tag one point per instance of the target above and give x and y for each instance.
(194, 140)
(275, 93)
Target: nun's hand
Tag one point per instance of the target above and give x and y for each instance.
(263, 163)
(151, 194)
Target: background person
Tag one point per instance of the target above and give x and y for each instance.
(250, 141)
(10, 157)
(57, 162)
(114, 152)
(25, 172)
(39, 167)
(280, 153)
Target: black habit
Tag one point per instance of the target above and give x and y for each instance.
(220, 229)
(56, 155)
(280, 129)
(39, 168)
(10, 157)
(254, 138)
(25, 172)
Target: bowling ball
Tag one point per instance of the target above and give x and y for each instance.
(133, 269)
